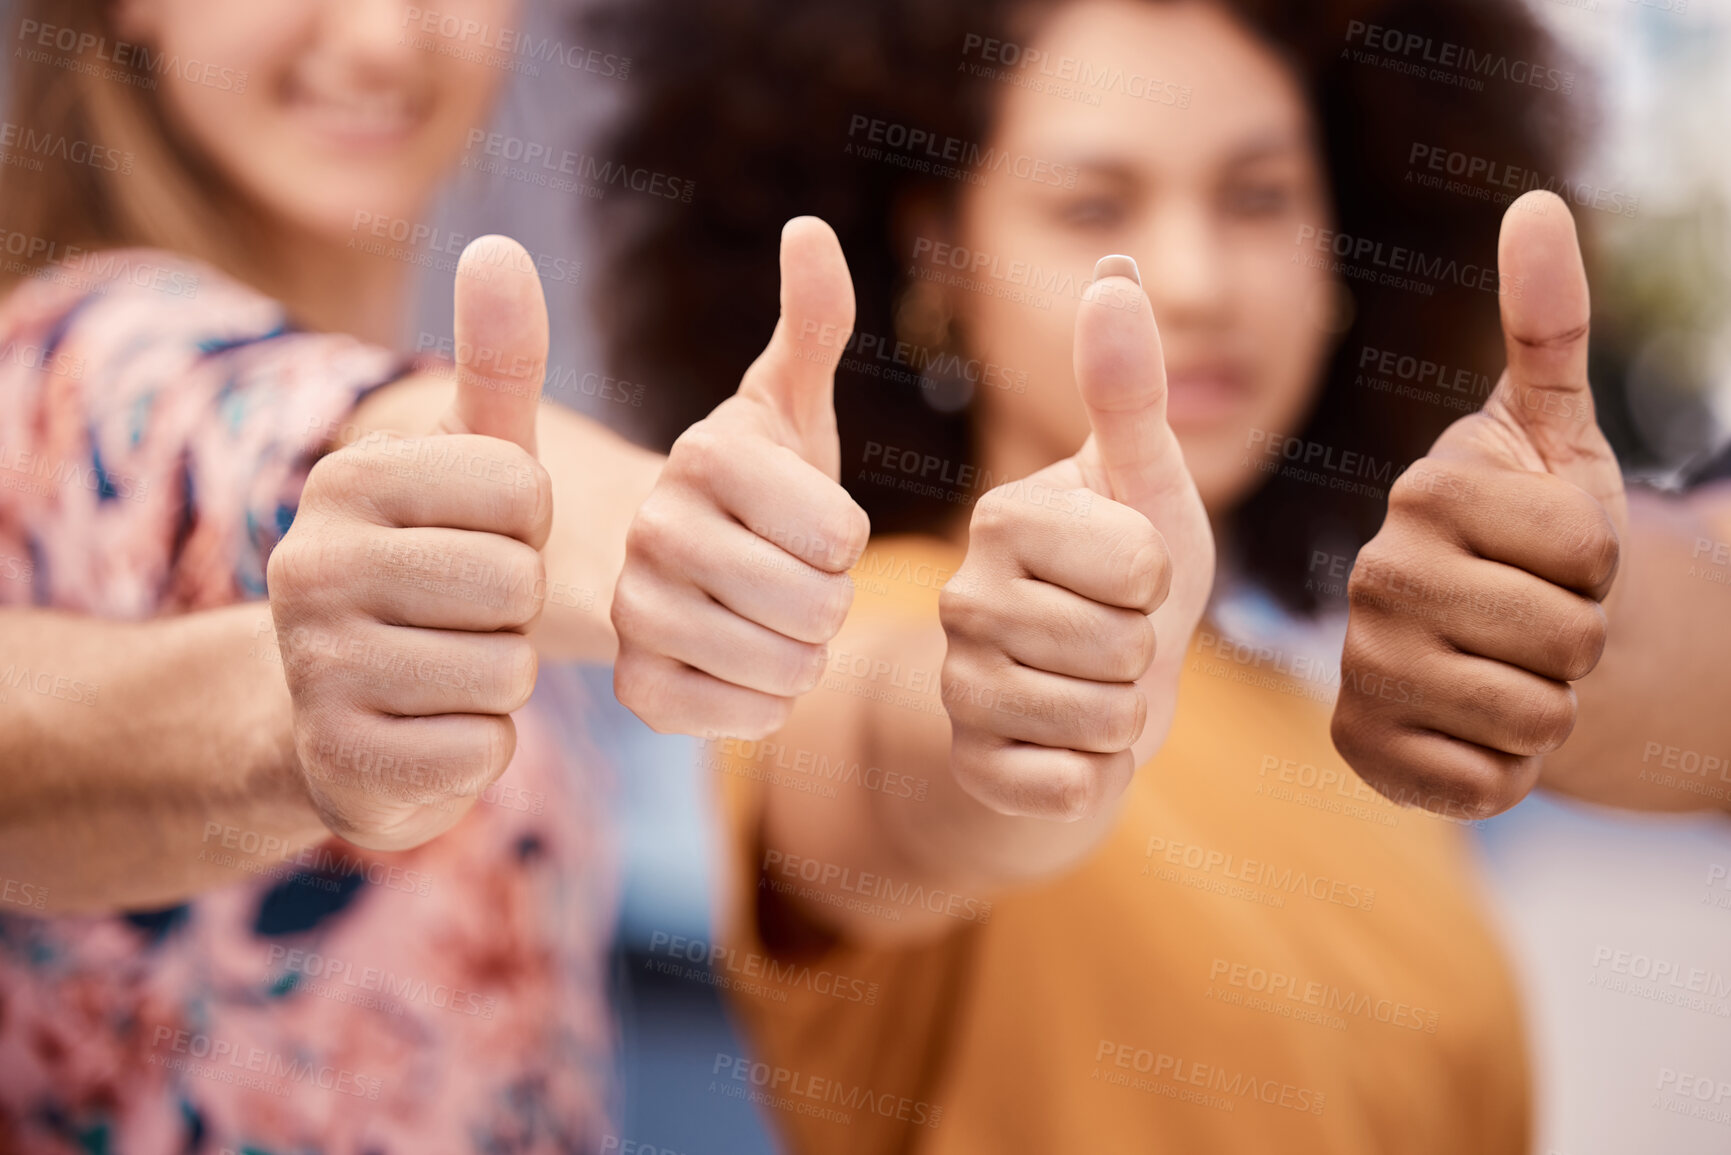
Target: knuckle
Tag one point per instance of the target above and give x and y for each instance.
(541, 514)
(1419, 492)
(830, 605)
(760, 716)
(307, 568)
(796, 667)
(518, 671)
(527, 594)
(633, 684)
(1581, 641)
(1135, 649)
(1600, 550)
(995, 518)
(1373, 572)
(974, 768)
(1544, 720)
(497, 741)
(698, 453)
(334, 476)
(1119, 718)
(523, 508)
(1068, 791)
(963, 612)
(282, 572)
(1147, 570)
(958, 682)
(840, 534)
(1347, 731)
(656, 531)
(632, 620)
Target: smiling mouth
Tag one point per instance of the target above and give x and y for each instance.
(356, 119)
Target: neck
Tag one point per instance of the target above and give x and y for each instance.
(328, 287)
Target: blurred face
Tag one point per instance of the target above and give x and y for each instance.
(319, 109)
(1208, 198)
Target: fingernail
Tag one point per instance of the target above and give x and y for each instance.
(1117, 265)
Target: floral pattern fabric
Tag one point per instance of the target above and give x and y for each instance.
(157, 422)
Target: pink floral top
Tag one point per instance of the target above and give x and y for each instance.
(157, 422)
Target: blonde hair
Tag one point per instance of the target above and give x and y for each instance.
(100, 96)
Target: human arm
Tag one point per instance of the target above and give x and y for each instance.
(198, 703)
(1558, 630)
(1050, 611)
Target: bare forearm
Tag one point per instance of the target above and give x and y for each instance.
(901, 851)
(144, 762)
(1654, 731)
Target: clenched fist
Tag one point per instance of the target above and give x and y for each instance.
(1484, 587)
(1069, 618)
(403, 591)
(736, 566)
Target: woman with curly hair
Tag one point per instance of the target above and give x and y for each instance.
(1045, 846)
(1240, 945)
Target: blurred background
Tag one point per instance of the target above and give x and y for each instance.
(1661, 266)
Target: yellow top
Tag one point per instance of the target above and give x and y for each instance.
(1264, 956)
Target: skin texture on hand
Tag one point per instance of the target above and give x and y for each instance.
(1080, 591)
(736, 565)
(1484, 595)
(735, 580)
(404, 590)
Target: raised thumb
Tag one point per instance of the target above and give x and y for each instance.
(501, 342)
(1546, 314)
(1121, 372)
(796, 372)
